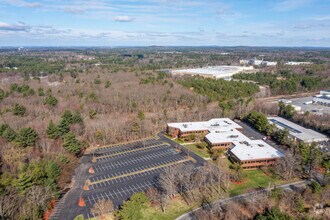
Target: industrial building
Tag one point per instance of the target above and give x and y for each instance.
(293, 63)
(256, 62)
(223, 133)
(297, 132)
(323, 98)
(225, 72)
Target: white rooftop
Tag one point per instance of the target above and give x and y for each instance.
(301, 133)
(211, 125)
(214, 71)
(254, 150)
(226, 136)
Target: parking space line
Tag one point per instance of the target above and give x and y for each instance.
(126, 143)
(109, 155)
(88, 182)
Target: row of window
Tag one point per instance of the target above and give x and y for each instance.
(258, 161)
(192, 132)
(222, 145)
(252, 167)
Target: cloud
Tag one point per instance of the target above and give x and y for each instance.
(74, 10)
(22, 27)
(289, 5)
(22, 3)
(123, 18)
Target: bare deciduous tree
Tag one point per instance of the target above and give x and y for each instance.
(102, 207)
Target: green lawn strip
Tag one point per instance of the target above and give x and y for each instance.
(173, 210)
(200, 152)
(254, 179)
(179, 141)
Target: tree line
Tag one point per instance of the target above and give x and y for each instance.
(286, 82)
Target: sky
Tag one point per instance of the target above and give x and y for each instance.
(165, 23)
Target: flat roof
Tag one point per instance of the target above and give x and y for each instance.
(226, 136)
(301, 133)
(254, 150)
(211, 125)
(216, 71)
(323, 97)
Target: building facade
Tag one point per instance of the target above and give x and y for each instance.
(225, 134)
(253, 154)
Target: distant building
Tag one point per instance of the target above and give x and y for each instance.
(296, 108)
(269, 63)
(217, 72)
(256, 62)
(223, 133)
(293, 63)
(285, 101)
(323, 98)
(297, 132)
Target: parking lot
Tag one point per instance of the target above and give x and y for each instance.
(115, 172)
(312, 107)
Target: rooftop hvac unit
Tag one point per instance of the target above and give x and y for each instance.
(261, 145)
(185, 125)
(215, 124)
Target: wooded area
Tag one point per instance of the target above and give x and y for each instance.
(54, 104)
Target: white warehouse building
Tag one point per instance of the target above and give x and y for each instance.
(323, 98)
(298, 132)
(225, 72)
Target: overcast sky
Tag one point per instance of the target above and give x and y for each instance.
(165, 22)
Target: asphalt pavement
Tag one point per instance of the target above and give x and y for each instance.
(116, 172)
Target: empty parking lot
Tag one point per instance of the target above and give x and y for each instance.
(116, 172)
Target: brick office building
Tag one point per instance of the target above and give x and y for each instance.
(223, 133)
(253, 154)
(201, 128)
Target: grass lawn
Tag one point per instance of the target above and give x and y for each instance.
(174, 209)
(109, 216)
(253, 180)
(200, 152)
(179, 141)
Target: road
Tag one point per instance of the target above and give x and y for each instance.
(275, 98)
(289, 186)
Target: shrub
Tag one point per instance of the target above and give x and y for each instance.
(53, 131)
(41, 91)
(7, 132)
(26, 137)
(2, 94)
(71, 144)
(316, 187)
(51, 101)
(19, 110)
(97, 81)
(92, 113)
(107, 84)
(202, 145)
